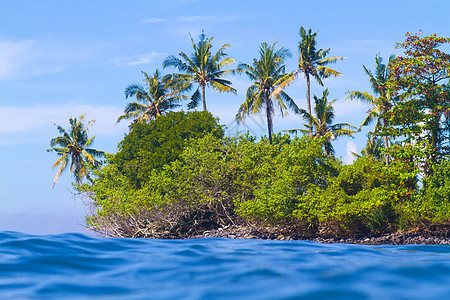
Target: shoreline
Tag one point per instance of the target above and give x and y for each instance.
(399, 238)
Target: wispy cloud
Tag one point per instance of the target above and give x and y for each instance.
(209, 19)
(154, 20)
(22, 124)
(137, 60)
(11, 55)
(27, 58)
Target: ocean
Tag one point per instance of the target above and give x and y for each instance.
(77, 266)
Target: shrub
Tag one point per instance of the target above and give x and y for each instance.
(151, 146)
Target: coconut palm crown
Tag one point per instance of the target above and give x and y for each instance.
(204, 69)
(269, 80)
(158, 96)
(322, 122)
(381, 101)
(313, 62)
(72, 146)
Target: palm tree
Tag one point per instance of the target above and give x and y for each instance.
(373, 148)
(73, 146)
(313, 62)
(381, 102)
(269, 80)
(157, 97)
(203, 68)
(322, 122)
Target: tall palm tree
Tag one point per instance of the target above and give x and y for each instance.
(73, 146)
(159, 95)
(313, 63)
(203, 68)
(322, 122)
(382, 100)
(269, 80)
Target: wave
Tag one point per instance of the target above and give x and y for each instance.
(79, 266)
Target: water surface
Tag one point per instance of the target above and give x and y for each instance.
(76, 266)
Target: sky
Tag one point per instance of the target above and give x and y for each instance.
(65, 58)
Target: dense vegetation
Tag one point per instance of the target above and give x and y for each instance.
(214, 181)
(176, 174)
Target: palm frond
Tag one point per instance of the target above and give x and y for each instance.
(196, 98)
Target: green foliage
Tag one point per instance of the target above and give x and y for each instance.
(363, 198)
(160, 95)
(432, 206)
(179, 175)
(422, 74)
(74, 146)
(192, 193)
(283, 177)
(269, 81)
(151, 146)
(313, 63)
(322, 123)
(203, 68)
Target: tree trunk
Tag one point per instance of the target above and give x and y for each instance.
(386, 141)
(308, 102)
(269, 118)
(203, 97)
(386, 145)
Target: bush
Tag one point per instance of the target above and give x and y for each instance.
(432, 205)
(283, 177)
(362, 199)
(151, 146)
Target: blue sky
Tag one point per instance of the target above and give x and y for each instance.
(63, 58)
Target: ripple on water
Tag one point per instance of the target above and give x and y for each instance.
(77, 266)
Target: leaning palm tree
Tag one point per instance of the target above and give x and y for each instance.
(204, 69)
(381, 102)
(313, 63)
(269, 80)
(322, 123)
(73, 146)
(160, 95)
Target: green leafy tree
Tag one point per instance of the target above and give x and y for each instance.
(381, 102)
(72, 146)
(160, 95)
(313, 63)
(151, 146)
(204, 69)
(422, 73)
(269, 80)
(322, 123)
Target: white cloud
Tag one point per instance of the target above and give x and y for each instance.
(349, 157)
(210, 19)
(28, 58)
(12, 55)
(193, 19)
(154, 20)
(137, 60)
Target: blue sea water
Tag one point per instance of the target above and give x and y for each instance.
(76, 266)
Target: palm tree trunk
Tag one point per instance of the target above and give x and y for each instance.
(203, 97)
(386, 142)
(269, 118)
(308, 102)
